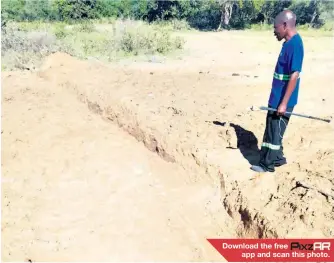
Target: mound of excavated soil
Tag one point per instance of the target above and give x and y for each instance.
(192, 113)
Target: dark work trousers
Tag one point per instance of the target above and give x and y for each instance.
(271, 153)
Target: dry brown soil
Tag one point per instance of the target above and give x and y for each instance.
(144, 161)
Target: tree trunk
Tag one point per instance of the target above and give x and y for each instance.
(313, 18)
(315, 3)
(226, 13)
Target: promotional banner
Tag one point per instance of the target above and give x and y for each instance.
(275, 250)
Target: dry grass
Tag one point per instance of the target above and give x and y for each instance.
(24, 45)
(24, 49)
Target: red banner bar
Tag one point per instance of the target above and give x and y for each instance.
(275, 250)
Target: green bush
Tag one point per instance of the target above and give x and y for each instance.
(108, 42)
(146, 39)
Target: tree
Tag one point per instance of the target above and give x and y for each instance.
(313, 12)
(37, 10)
(163, 10)
(74, 9)
(270, 9)
(204, 15)
(12, 10)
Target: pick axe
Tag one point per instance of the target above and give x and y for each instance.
(254, 108)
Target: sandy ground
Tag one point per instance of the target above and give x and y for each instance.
(75, 187)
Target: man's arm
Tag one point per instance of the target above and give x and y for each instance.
(295, 65)
(290, 88)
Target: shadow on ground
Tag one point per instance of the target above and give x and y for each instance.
(247, 142)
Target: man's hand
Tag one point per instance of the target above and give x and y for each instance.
(281, 109)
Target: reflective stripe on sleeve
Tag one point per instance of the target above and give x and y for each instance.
(283, 76)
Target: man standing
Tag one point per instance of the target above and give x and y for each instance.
(284, 92)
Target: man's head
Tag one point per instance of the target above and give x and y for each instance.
(284, 25)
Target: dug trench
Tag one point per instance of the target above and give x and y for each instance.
(178, 120)
(78, 188)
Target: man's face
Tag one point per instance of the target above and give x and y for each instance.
(279, 30)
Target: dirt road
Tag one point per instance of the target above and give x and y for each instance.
(75, 187)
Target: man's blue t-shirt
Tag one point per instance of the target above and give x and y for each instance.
(289, 61)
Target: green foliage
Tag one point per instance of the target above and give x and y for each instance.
(243, 15)
(12, 10)
(148, 40)
(204, 15)
(305, 10)
(258, 5)
(24, 44)
(74, 9)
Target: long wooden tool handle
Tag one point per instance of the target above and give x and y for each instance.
(297, 114)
